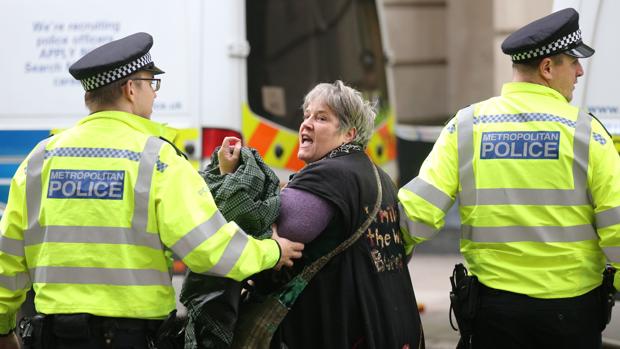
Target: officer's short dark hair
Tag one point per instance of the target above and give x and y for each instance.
(532, 64)
(107, 95)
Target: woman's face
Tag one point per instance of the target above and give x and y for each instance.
(319, 133)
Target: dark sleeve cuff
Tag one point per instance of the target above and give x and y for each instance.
(279, 252)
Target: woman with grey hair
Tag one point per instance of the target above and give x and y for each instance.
(346, 212)
(363, 297)
(354, 117)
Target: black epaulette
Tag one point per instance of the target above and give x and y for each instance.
(179, 152)
(599, 121)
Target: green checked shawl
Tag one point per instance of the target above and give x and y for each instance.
(250, 197)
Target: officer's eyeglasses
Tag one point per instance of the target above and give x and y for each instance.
(155, 83)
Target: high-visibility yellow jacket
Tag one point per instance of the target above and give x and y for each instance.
(90, 212)
(538, 188)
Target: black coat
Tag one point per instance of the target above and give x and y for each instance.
(363, 298)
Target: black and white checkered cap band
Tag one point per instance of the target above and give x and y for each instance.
(107, 77)
(559, 45)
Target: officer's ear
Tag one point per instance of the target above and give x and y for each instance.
(129, 90)
(545, 68)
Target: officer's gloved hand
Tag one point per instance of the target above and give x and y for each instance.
(289, 250)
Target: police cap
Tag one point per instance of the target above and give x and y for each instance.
(553, 34)
(114, 61)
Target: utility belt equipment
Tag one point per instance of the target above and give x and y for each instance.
(608, 294)
(43, 331)
(464, 300)
(463, 303)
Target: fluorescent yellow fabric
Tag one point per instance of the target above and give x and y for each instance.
(179, 204)
(538, 269)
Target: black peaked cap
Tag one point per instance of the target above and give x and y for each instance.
(553, 34)
(114, 61)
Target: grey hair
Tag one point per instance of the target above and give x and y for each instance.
(352, 109)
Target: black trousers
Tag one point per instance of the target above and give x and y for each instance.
(509, 320)
(85, 331)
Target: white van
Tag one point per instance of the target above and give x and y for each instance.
(233, 67)
(597, 91)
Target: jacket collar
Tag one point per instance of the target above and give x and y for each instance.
(527, 87)
(136, 122)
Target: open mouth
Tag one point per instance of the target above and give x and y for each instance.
(306, 140)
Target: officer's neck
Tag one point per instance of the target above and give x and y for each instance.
(532, 78)
(121, 105)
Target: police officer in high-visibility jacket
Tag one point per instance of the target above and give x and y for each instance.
(92, 210)
(538, 188)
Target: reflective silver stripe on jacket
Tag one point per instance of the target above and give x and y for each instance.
(19, 281)
(608, 217)
(415, 229)
(430, 193)
(103, 276)
(142, 189)
(231, 255)
(203, 232)
(612, 254)
(537, 234)
(34, 186)
(93, 235)
(33, 191)
(136, 235)
(471, 196)
(198, 235)
(12, 246)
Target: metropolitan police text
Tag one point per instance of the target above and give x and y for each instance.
(86, 184)
(520, 145)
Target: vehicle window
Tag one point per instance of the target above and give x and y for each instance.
(296, 44)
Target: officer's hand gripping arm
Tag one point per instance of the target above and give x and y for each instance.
(289, 250)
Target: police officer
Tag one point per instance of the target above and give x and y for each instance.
(92, 210)
(538, 188)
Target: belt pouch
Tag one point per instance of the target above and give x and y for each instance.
(74, 326)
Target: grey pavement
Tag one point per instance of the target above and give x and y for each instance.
(430, 276)
(177, 283)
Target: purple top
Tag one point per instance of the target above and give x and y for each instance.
(303, 215)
